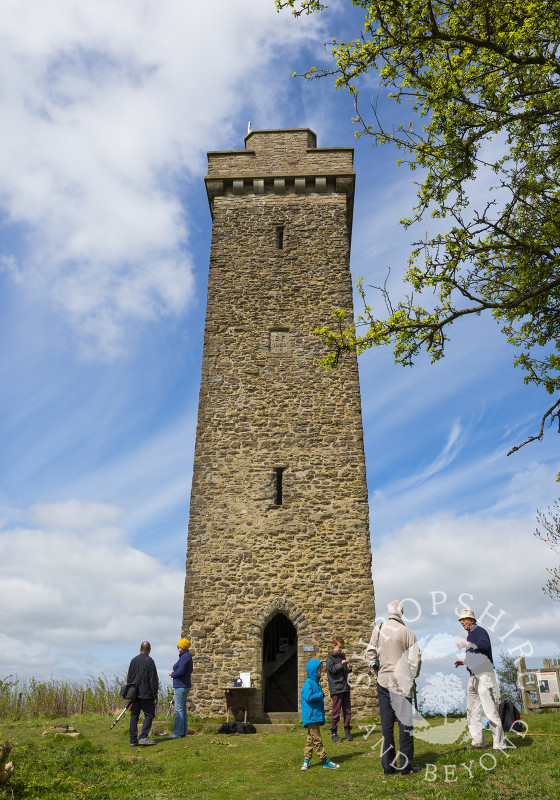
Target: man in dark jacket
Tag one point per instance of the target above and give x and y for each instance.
(142, 672)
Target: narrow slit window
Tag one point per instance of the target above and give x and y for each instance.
(280, 237)
(278, 495)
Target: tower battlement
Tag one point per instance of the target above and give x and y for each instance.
(282, 162)
(285, 152)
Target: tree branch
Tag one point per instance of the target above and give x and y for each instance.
(539, 436)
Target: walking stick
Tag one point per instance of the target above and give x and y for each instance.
(120, 715)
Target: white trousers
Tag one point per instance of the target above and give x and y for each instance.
(480, 702)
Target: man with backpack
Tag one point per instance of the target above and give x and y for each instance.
(143, 673)
(394, 657)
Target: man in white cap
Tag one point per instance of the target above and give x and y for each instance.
(482, 679)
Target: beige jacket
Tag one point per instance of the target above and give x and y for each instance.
(396, 648)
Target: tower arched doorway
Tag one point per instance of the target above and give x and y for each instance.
(280, 671)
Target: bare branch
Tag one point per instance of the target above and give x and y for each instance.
(539, 436)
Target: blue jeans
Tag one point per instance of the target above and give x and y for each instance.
(180, 725)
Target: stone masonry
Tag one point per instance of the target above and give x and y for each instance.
(279, 507)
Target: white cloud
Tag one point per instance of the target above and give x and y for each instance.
(438, 645)
(16, 651)
(444, 562)
(73, 515)
(76, 585)
(110, 108)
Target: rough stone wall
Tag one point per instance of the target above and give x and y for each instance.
(265, 404)
(286, 152)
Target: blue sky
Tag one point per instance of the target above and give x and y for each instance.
(105, 232)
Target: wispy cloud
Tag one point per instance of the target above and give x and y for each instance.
(108, 110)
(452, 447)
(483, 480)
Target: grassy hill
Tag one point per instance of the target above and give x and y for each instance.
(100, 765)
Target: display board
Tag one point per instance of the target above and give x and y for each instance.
(540, 686)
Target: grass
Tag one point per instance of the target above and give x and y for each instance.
(100, 765)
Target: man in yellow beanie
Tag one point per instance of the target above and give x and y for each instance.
(181, 674)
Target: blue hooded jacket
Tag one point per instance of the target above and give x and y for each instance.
(312, 696)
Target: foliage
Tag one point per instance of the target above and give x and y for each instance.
(8, 693)
(549, 532)
(482, 83)
(35, 697)
(508, 681)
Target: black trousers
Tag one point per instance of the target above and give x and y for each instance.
(149, 709)
(395, 708)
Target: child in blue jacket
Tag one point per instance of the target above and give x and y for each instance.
(313, 715)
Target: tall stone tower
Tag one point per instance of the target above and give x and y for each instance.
(278, 556)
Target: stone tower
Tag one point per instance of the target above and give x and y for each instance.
(278, 556)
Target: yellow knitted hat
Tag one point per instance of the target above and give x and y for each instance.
(184, 644)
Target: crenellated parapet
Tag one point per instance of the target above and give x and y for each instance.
(281, 162)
